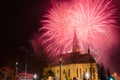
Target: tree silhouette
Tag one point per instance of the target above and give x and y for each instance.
(102, 74)
(108, 73)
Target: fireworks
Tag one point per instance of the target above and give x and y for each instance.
(93, 21)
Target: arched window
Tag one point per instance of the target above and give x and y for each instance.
(68, 72)
(77, 72)
(94, 73)
(80, 73)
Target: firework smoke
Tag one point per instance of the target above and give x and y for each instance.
(93, 21)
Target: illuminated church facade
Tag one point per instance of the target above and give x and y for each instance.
(74, 64)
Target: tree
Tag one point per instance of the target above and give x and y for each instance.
(102, 74)
(108, 73)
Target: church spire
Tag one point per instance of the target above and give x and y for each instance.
(76, 47)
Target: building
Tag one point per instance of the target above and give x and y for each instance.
(74, 64)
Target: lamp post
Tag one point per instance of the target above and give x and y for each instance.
(87, 76)
(26, 64)
(60, 61)
(35, 76)
(16, 64)
(26, 68)
(16, 70)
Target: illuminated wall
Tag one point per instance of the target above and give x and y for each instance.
(80, 70)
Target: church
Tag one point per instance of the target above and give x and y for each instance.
(72, 65)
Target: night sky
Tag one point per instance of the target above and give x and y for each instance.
(20, 21)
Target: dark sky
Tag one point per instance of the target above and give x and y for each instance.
(20, 20)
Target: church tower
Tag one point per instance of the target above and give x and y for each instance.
(76, 47)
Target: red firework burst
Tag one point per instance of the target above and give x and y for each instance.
(93, 21)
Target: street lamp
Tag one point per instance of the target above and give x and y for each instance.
(26, 68)
(16, 66)
(111, 78)
(35, 76)
(60, 61)
(87, 75)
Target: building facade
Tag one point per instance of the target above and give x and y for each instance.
(82, 67)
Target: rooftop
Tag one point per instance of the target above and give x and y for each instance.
(73, 58)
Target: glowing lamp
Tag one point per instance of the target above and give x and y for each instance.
(35, 76)
(86, 75)
(16, 63)
(111, 78)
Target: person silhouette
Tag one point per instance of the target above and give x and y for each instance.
(74, 78)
